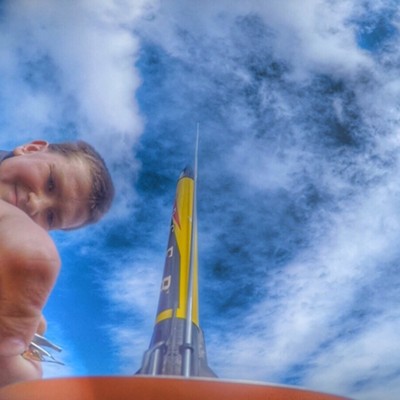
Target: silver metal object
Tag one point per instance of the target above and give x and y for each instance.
(37, 352)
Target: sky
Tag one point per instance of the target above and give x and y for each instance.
(298, 183)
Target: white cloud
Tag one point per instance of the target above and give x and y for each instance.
(367, 360)
(73, 365)
(316, 35)
(134, 290)
(137, 291)
(305, 318)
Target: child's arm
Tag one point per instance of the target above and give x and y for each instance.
(29, 265)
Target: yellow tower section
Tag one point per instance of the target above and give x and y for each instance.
(182, 224)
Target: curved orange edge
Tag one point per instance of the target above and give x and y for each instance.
(153, 388)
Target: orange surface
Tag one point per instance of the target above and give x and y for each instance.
(153, 388)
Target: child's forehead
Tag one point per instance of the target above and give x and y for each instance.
(74, 183)
(70, 162)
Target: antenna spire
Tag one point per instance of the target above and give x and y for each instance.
(188, 343)
(177, 346)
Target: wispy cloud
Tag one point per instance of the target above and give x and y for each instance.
(136, 294)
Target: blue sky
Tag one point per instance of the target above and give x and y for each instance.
(298, 193)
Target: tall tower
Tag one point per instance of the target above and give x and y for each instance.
(177, 346)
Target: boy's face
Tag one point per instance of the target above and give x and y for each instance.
(51, 188)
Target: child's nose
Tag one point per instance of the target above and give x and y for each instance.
(36, 203)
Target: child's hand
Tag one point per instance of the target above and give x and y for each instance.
(29, 265)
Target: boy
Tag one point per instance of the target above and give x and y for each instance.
(42, 187)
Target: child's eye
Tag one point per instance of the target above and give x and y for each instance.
(50, 218)
(50, 182)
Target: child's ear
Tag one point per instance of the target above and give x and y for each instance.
(32, 147)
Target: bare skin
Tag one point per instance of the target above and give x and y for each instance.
(27, 276)
(39, 191)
